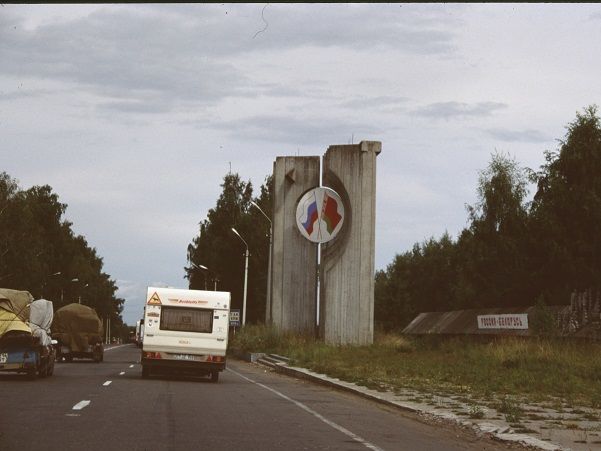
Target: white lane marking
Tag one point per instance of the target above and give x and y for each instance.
(107, 383)
(121, 373)
(114, 347)
(131, 366)
(72, 415)
(330, 423)
(81, 404)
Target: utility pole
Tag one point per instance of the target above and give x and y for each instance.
(245, 276)
(268, 300)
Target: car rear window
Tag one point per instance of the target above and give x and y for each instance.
(187, 319)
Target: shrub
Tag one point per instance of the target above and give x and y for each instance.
(542, 321)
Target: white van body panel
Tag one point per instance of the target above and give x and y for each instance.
(178, 343)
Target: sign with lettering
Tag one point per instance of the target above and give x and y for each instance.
(235, 318)
(503, 321)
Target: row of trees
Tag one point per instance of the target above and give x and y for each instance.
(513, 252)
(40, 253)
(217, 247)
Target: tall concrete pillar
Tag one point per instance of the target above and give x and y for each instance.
(294, 259)
(347, 262)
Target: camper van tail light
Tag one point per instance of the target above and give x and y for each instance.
(214, 358)
(152, 355)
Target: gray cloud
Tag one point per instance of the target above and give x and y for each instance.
(375, 102)
(297, 131)
(23, 94)
(142, 106)
(158, 58)
(134, 58)
(448, 110)
(306, 91)
(531, 136)
(414, 29)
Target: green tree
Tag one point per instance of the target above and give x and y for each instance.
(493, 262)
(217, 248)
(418, 281)
(486, 266)
(40, 253)
(567, 211)
(511, 253)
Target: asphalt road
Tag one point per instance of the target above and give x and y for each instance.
(250, 408)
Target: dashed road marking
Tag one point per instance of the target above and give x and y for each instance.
(121, 373)
(81, 404)
(107, 383)
(131, 366)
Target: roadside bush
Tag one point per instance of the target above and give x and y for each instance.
(255, 338)
(395, 342)
(542, 321)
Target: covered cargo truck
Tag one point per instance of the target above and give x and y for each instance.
(25, 343)
(78, 331)
(185, 331)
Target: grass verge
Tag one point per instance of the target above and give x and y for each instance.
(536, 369)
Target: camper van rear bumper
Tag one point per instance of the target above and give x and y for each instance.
(184, 364)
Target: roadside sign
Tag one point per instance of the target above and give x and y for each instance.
(235, 318)
(503, 321)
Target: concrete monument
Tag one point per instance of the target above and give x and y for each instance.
(341, 216)
(347, 262)
(294, 259)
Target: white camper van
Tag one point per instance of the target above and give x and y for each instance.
(185, 330)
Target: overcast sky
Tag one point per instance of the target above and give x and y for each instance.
(134, 113)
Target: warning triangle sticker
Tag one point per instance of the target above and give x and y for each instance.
(154, 299)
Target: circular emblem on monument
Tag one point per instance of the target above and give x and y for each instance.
(320, 214)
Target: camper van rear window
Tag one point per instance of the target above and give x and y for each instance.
(187, 319)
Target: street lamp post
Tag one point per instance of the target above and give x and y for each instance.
(268, 300)
(74, 280)
(85, 286)
(204, 268)
(45, 281)
(245, 277)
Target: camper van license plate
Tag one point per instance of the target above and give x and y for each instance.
(3, 357)
(185, 357)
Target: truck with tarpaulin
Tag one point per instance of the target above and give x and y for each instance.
(25, 343)
(78, 331)
(185, 331)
